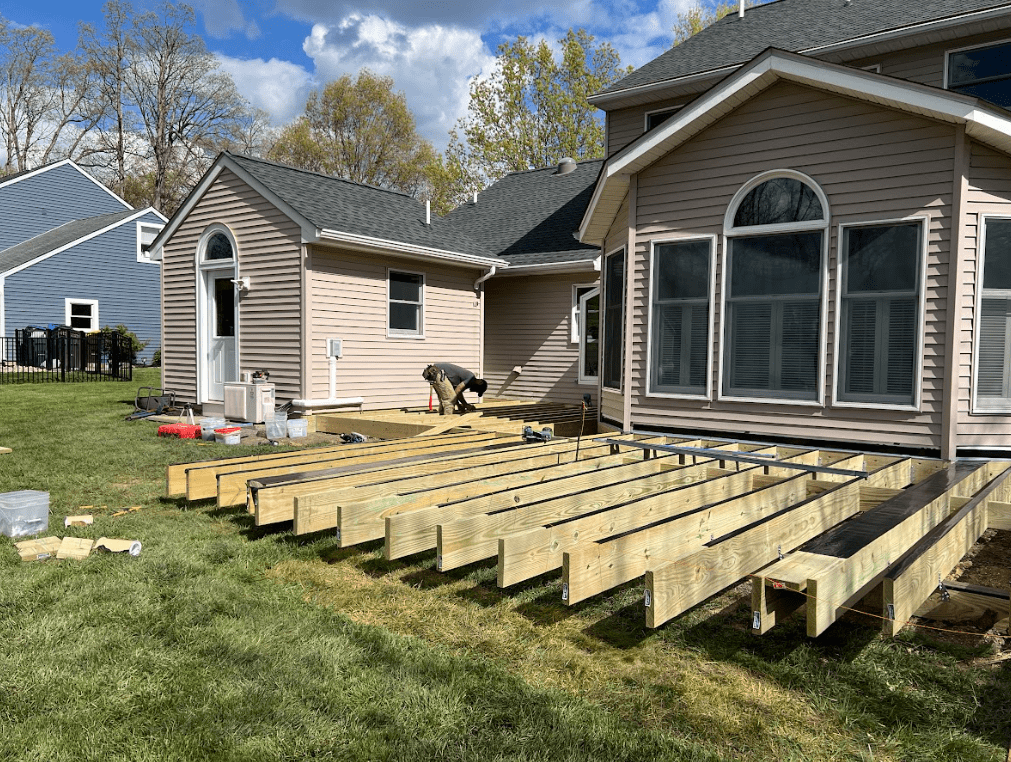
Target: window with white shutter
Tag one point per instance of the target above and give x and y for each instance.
(880, 313)
(679, 352)
(993, 342)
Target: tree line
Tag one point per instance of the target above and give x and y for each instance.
(143, 104)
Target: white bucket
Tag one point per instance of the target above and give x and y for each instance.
(276, 427)
(227, 436)
(207, 427)
(297, 428)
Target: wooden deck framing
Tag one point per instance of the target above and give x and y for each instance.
(815, 530)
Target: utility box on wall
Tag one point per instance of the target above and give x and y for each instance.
(249, 402)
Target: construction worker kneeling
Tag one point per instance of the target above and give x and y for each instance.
(449, 383)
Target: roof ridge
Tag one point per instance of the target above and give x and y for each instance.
(543, 169)
(322, 175)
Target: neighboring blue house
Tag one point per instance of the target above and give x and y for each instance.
(71, 253)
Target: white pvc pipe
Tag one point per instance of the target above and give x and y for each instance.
(333, 400)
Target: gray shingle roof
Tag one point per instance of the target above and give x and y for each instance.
(793, 25)
(336, 204)
(531, 218)
(57, 238)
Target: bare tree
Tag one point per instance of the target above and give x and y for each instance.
(185, 105)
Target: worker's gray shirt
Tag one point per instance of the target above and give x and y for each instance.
(457, 375)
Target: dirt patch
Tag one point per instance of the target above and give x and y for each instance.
(989, 562)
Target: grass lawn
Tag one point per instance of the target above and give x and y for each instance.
(227, 642)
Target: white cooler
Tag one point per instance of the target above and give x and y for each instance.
(248, 402)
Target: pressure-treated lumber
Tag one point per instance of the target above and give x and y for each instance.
(273, 503)
(231, 487)
(848, 561)
(592, 568)
(443, 426)
(527, 554)
(372, 426)
(206, 482)
(966, 603)
(911, 580)
(771, 605)
(474, 538)
(674, 587)
(5, 451)
(999, 516)
(357, 520)
(318, 512)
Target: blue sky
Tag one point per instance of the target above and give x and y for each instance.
(278, 50)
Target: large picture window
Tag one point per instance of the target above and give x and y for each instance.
(983, 72)
(773, 289)
(993, 340)
(406, 304)
(614, 303)
(679, 349)
(880, 308)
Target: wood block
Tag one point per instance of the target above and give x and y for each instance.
(38, 549)
(5, 451)
(771, 605)
(74, 548)
(999, 516)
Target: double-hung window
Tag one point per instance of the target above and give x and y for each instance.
(679, 348)
(81, 314)
(406, 314)
(773, 289)
(984, 72)
(993, 340)
(614, 319)
(880, 313)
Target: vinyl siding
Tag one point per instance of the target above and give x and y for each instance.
(348, 300)
(32, 205)
(989, 193)
(269, 252)
(873, 164)
(528, 322)
(611, 402)
(628, 124)
(104, 268)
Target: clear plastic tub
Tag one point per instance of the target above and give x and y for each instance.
(276, 427)
(208, 425)
(297, 428)
(24, 513)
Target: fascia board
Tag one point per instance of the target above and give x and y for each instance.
(34, 173)
(382, 245)
(183, 212)
(551, 268)
(77, 242)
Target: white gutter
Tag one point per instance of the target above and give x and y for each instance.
(549, 268)
(368, 243)
(483, 278)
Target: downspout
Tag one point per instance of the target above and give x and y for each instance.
(477, 288)
(483, 278)
(3, 319)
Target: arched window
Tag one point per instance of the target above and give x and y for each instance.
(218, 247)
(773, 288)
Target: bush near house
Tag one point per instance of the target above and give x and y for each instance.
(136, 345)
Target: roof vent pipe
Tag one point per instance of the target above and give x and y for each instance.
(740, 10)
(475, 197)
(565, 166)
(428, 211)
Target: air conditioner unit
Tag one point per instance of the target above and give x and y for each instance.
(249, 402)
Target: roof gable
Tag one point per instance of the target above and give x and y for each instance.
(983, 122)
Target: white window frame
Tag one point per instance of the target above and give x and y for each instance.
(93, 303)
(583, 379)
(712, 239)
(984, 218)
(142, 228)
(673, 109)
(921, 304)
(730, 232)
(603, 317)
(398, 334)
(574, 329)
(948, 53)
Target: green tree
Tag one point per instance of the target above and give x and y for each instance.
(533, 110)
(698, 17)
(363, 131)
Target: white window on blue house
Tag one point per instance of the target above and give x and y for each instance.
(81, 314)
(146, 233)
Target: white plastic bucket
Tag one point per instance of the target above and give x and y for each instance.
(228, 436)
(277, 426)
(297, 428)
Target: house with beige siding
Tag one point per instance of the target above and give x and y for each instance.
(811, 241)
(343, 293)
(801, 232)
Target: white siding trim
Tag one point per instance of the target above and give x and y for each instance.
(710, 338)
(921, 314)
(584, 380)
(574, 330)
(3, 317)
(64, 162)
(72, 244)
(984, 217)
(202, 360)
(370, 244)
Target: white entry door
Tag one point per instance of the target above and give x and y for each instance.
(220, 327)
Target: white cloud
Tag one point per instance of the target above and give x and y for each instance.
(431, 64)
(222, 16)
(278, 87)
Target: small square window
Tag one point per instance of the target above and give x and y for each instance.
(406, 303)
(81, 314)
(146, 233)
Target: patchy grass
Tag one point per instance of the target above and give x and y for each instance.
(224, 641)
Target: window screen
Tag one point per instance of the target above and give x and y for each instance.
(880, 313)
(680, 317)
(993, 369)
(406, 303)
(614, 300)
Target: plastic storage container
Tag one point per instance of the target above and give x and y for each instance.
(297, 428)
(24, 513)
(208, 425)
(229, 435)
(276, 427)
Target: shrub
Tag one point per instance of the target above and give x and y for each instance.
(136, 345)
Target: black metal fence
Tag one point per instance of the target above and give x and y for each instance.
(35, 355)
